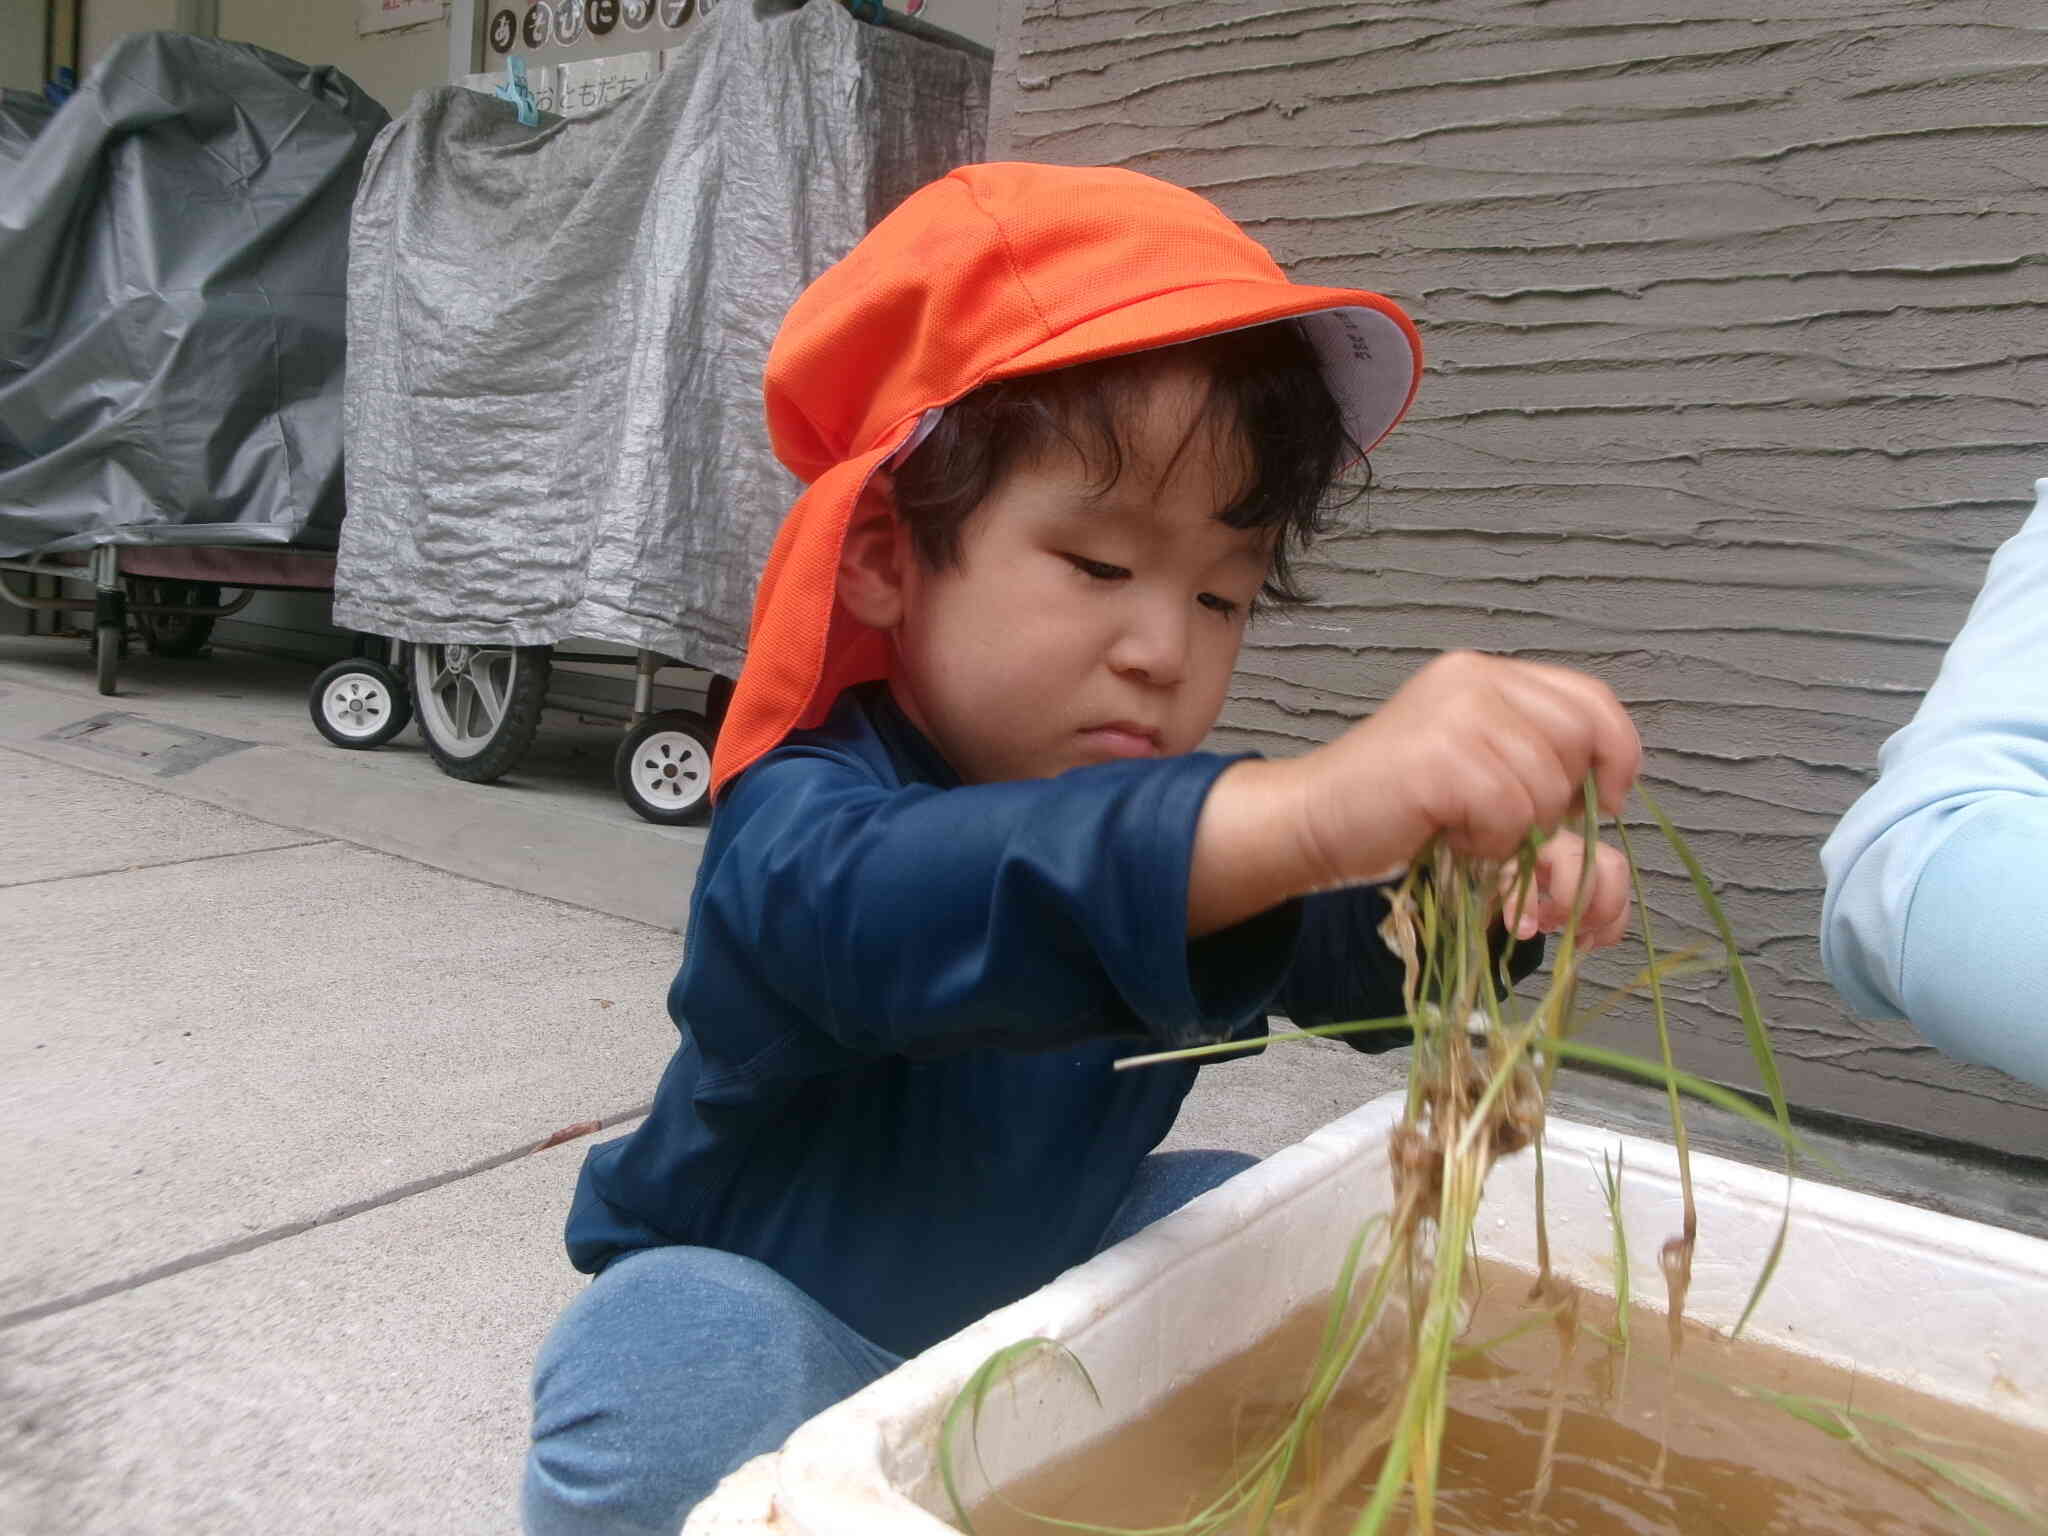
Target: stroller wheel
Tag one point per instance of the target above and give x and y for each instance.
(663, 768)
(359, 703)
(108, 641)
(479, 705)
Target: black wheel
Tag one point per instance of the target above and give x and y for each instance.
(176, 634)
(106, 655)
(663, 768)
(717, 699)
(479, 705)
(359, 703)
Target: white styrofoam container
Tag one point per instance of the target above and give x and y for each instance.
(1946, 1307)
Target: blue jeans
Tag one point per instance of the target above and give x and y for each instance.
(678, 1364)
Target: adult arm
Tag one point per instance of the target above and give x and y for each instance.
(1937, 894)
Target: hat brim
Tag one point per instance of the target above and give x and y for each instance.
(1370, 353)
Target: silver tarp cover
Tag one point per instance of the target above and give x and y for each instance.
(173, 259)
(23, 115)
(556, 334)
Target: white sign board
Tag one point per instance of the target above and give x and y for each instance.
(390, 15)
(578, 87)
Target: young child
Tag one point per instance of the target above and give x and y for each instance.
(1063, 429)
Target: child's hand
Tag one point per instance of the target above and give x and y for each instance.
(1554, 886)
(1479, 749)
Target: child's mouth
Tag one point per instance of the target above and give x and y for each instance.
(1122, 738)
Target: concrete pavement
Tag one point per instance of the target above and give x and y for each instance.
(291, 1031)
(367, 1375)
(280, 1029)
(232, 729)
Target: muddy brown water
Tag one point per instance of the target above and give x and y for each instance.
(1641, 1447)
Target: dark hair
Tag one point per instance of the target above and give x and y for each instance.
(1265, 390)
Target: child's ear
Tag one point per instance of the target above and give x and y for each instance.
(872, 560)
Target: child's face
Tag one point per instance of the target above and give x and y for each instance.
(1083, 625)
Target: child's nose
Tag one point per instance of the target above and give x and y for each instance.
(1153, 645)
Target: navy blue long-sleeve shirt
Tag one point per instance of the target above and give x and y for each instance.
(899, 1005)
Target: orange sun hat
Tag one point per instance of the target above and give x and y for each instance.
(988, 273)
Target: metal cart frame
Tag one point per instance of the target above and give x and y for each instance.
(117, 594)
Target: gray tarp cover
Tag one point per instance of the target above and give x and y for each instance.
(556, 334)
(23, 115)
(174, 244)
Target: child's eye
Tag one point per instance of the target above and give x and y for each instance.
(1096, 568)
(1216, 604)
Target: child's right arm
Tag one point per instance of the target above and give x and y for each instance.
(1028, 914)
(1479, 749)
(913, 920)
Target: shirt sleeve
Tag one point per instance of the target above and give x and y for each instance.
(917, 920)
(1937, 893)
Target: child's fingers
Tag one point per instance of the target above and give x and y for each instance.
(1603, 927)
(1605, 920)
(1618, 756)
(1526, 912)
(1521, 905)
(1541, 775)
(1496, 805)
(1590, 728)
(1554, 887)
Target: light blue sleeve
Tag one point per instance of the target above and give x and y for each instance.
(1937, 896)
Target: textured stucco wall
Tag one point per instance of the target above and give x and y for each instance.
(1738, 338)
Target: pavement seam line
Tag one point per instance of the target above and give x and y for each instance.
(224, 803)
(197, 858)
(38, 751)
(291, 1229)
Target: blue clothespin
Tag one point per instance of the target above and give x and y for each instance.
(59, 90)
(518, 92)
(872, 11)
